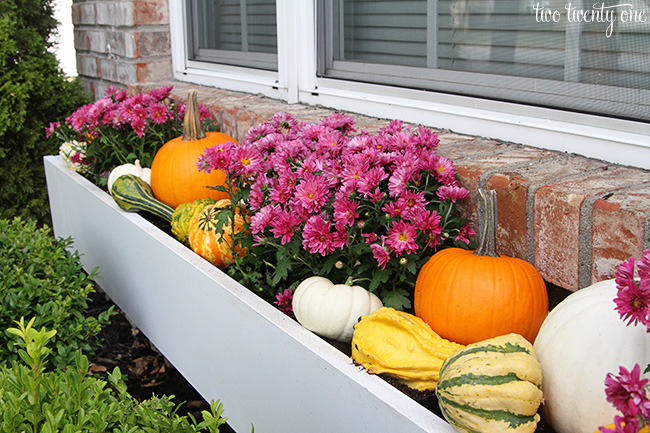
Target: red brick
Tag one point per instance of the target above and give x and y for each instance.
(154, 71)
(83, 14)
(229, 121)
(148, 13)
(81, 40)
(244, 123)
(621, 229)
(471, 170)
(559, 246)
(515, 188)
(150, 44)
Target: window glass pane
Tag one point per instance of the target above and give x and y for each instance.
(237, 32)
(574, 55)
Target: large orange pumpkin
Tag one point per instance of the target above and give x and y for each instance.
(211, 236)
(175, 179)
(469, 296)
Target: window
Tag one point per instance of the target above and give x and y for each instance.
(568, 55)
(505, 69)
(233, 32)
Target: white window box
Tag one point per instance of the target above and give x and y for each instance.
(226, 341)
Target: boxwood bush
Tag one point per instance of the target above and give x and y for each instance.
(33, 92)
(70, 401)
(39, 278)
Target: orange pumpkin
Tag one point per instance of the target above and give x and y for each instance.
(469, 296)
(175, 179)
(211, 236)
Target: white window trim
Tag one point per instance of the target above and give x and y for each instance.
(613, 140)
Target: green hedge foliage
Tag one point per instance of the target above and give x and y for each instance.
(39, 278)
(33, 93)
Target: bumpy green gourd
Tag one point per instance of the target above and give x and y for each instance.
(492, 386)
(133, 194)
(183, 214)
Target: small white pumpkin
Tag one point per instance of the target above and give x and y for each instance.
(136, 169)
(582, 339)
(331, 310)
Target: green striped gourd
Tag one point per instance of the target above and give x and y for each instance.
(492, 386)
(183, 214)
(133, 194)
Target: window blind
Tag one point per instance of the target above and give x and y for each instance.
(497, 49)
(236, 32)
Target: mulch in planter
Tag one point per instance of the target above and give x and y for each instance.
(147, 371)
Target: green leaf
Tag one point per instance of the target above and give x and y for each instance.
(379, 277)
(397, 299)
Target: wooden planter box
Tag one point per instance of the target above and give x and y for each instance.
(228, 343)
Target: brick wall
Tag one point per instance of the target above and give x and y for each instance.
(573, 217)
(121, 42)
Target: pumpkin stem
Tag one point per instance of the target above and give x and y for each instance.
(192, 129)
(488, 223)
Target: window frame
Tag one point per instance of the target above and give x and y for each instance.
(611, 139)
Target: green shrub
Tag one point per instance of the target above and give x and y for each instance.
(70, 400)
(33, 93)
(40, 278)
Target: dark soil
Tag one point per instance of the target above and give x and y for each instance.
(147, 371)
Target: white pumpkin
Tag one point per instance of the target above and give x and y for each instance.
(331, 310)
(582, 339)
(136, 169)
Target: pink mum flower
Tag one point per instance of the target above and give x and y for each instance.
(411, 202)
(402, 238)
(626, 391)
(380, 253)
(633, 304)
(633, 299)
(444, 169)
(284, 301)
(340, 122)
(453, 192)
(399, 180)
(261, 219)
(317, 237)
(312, 193)
(371, 179)
(283, 225)
(158, 113)
(464, 233)
(49, 130)
(345, 212)
(246, 161)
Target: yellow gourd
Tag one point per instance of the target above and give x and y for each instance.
(401, 345)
